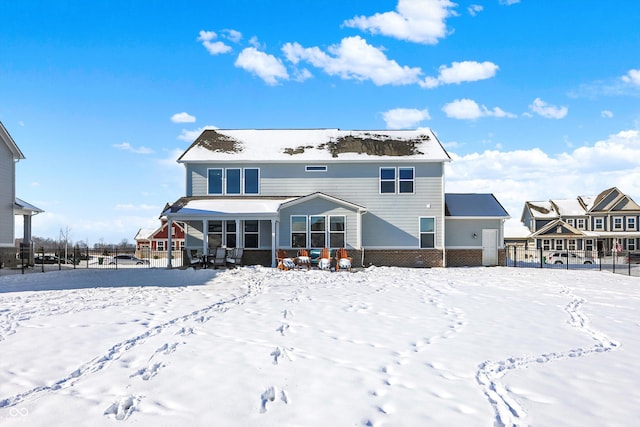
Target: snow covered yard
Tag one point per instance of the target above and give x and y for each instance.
(262, 347)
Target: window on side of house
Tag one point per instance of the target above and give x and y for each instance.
(427, 232)
(406, 180)
(298, 231)
(588, 245)
(571, 221)
(251, 233)
(631, 223)
(251, 181)
(318, 231)
(631, 244)
(617, 223)
(214, 181)
(232, 181)
(571, 244)
(387, 180)
(232, 240)
(337, 231)
(581, 223)
(161, 245)
(559, 244)
(546, 244)
(215, 234)
(598, 224)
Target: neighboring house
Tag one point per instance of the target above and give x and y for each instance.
(474, 230)
(605, 222)
(150, 241)
(10, 206)
(380, 194)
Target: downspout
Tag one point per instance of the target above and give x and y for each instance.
(444, 246)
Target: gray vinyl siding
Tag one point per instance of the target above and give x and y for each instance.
(459, 232)
(391, 221)
(7, 195)
(318, 206)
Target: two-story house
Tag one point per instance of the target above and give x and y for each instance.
(605, 222)
(10, 205)
(380, 194)
(155, 241)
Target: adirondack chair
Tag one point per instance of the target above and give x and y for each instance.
(283, 261)
(303, 259)
(324, 262)
(234, 258)
(217, 258)
(195, 258)
(343, 260)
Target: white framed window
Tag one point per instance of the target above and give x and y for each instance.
(233, 181)
(298, 231)
(571, 244)
(546, 244)
(598, 224)
(387, 180)
(160, 245)
(214, 233)
(318, 231)
(571, 222)
(580, 223)
(588, 245)
(406, 180)
(559, 244)
(617, 223)
(251, 233)
(631, 223)
(631, 244)
(231, 235)
(214, 180)
(337, 231)
(427, 232)
(315, 168)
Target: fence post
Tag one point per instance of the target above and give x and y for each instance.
(629, 261)
(541, 266)
(567, 257)
(515, 256)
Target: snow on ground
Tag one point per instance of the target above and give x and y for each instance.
(262, 347)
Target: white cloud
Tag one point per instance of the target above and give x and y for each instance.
(214, 48)
(474, 9)
(606, 113)
(267, 67)
(354, 59)
(548, 111)
(128, 147)
(632, 77)
(183, 118)
(420, 21)
(232, 35)
(509, 2)
(524, 175)
(465, 71)
(404, 118)
(468, 109)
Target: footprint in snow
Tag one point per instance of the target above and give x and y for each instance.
(122, 408)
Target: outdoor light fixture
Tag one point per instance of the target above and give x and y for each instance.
(475, 235)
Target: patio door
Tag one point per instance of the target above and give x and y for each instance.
(489, 247)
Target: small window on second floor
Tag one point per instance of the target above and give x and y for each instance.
(405, 182)
(631, 223)
(214, 185)
(387, 180)
(233, 181)
(598, 224)
(251, 181)
(617, 223)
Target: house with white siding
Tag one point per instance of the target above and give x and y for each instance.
(10, 205)
(379, 194)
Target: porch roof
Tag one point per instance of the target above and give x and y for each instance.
(225, 207)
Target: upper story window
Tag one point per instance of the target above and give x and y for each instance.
(233, 181)
(617, 223)
(598, 224)
(397, 180)
(631, 223)
(581, 223)
(315, 168)
(571, 222)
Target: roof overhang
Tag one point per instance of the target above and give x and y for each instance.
(23, 208)
(303, 199)
(225, 208)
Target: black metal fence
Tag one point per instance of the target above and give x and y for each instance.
(624, 262)
(47, 259)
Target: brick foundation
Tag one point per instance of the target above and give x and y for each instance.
(470, 257)
(402, 258)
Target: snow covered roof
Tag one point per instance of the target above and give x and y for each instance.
(570, 207)
(285, 145)
(542, 209)
(145, 233)
(473, 205)
(238, 207)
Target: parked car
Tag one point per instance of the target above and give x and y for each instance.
(632, 258)
(48, 259)
(125, 259)
(568, 257)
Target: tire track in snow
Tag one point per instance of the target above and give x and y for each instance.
(508, 411)
(116, 351)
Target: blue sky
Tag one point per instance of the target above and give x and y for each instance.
(533, 100)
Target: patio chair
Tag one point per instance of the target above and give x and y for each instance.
(195, 258)
(303, 259)
(234, 258)
(343, 260)
(324, 262)
(283, 261)
(217, 258)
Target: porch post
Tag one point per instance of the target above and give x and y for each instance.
(273, 242)
(239, 235)
(169, 242)
(205, 237)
